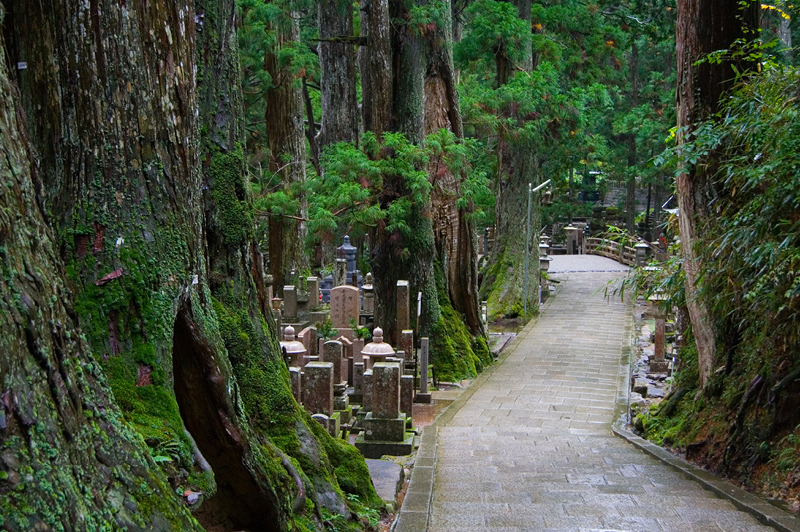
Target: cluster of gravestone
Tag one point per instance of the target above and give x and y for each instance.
(350, 386)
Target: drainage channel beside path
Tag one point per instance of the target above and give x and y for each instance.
(529, 445)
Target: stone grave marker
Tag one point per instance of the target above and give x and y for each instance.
(423, 396)
(406, 344)
(312, 283)
(318, 388)
(296, 377)
(290, 301)
(344, 306)
(332, 353)
(403, 308)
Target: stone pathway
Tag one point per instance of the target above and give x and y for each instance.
(530, 448)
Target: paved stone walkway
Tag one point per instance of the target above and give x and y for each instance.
(532, 449)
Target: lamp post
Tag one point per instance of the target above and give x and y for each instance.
(531, 190)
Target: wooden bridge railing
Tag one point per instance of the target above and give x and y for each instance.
(611, 249)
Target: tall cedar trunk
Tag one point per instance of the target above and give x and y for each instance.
(630, 192)
(703, 26)
(127, 199)
(375, 63)
(504, 285)
(286, 137)
(64, 449)
(453, 230)
(338, 74)
(395, 257)
(126, 196)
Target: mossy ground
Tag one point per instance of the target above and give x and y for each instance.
(455, 353)
(752, 444)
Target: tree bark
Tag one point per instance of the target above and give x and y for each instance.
(630, 196)
(454, 232)
(375, 63)
(703, 26)
(62, 438)
(338, 74)
(136, 199)
(504, 284)
(286, 138)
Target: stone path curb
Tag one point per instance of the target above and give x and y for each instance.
(415, 511)
(766, 513)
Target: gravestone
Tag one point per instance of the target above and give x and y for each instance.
(358, 346)
(290, 301)
(385, 426)
(358, 382)
(368, 303)
(296, 377)
(407, 395)
(367, 390)
(385, 390)
(406, 344)
(403, 308)
(344, 306)
(340, 272)
(312, 284)
(423, 396)
(318, 388)
(332, 353)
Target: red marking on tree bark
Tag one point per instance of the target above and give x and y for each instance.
(116, 274)
(143, 378)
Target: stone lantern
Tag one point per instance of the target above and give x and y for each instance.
(641, 253)
(377, 350)
(543, 249)
(294, 350)
(573, 243)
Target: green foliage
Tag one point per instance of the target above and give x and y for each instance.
(325, 329)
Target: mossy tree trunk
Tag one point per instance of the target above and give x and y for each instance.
(703, 26)
(180, 323)
(287, 144)
(67, 460)
(413, 257)
(394, 256)
(453, 229)
(504, 281)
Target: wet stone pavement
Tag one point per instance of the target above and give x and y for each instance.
(531, 447)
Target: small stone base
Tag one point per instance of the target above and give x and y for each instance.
(423, 398)
(376, 449)
(332, 424)
(341, 402)
(378, 429)
(344, 416)
(659, 366)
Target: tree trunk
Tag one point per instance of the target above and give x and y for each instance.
(453, 230)
(375, 62)
(338, 74)
(65, 449)
(703, 26)
(395, 257)
(136, 200)
(630, 196)
(286, 137)
(504, 284)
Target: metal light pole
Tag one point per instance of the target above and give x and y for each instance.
(531, 190)
(527, 251)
